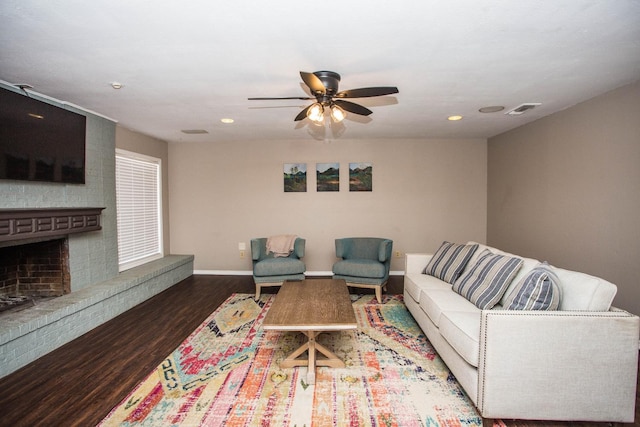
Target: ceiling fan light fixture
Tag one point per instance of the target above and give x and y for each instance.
(316, 113)
(337, 113)
(323, 86)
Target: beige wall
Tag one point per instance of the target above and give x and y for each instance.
(142, 144)
(566, 189)
(424, 191)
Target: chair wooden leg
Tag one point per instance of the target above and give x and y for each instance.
(257, 292)
(377, 288)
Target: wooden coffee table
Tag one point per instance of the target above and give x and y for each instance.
(311, 307)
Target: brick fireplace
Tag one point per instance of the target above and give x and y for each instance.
(34, 252)
(34, 271)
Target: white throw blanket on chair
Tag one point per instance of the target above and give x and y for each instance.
(281, 245)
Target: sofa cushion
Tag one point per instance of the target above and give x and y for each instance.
(538, 290)
(485, 283)
(278, 267)
(415, 283)
(581, 291)
(360, 268)
(461, 329)
(435, 302)
(449, 261)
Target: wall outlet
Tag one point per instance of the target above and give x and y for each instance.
(241, 254)
(398, 254)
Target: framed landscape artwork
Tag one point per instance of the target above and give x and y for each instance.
(328, 176)
(295, 177)
(360, 176)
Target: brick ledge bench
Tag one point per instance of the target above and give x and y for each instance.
(31, 333)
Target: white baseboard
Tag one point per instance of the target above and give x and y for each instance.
(249, 273)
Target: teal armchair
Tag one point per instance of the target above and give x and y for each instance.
(365, 262)
(269, 270)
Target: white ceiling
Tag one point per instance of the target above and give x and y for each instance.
(186, 64)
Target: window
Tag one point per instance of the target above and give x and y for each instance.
(138, 197)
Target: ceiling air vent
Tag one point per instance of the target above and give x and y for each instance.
(522, 108)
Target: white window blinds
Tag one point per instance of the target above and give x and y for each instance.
(138, 190)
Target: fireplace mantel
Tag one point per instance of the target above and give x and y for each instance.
(45, 223)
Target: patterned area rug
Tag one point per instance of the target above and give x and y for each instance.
(227, 373)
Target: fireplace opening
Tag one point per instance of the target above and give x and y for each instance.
(34, 272)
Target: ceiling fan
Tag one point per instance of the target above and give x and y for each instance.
(324, 88)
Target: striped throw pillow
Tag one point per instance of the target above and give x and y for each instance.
(449, 261)
(487, 280)
(538, 290)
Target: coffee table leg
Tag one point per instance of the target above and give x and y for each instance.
(292, 359)
(311, 370)
(311, 347)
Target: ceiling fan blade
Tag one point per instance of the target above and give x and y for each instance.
(352, 107)
(303, 114)
(366, 92)
(314, 83)
(288, 97)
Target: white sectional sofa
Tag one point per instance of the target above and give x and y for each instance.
(576, 363)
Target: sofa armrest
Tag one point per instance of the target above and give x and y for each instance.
(560, 365)
(415, 263)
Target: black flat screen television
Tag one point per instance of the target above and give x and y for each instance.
(39, 141)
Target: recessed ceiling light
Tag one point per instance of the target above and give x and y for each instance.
(193, 131)
(454, 118)
(226, 120)
(491, 109)
(116, 85)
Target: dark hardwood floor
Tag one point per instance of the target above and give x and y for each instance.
(79, 383)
